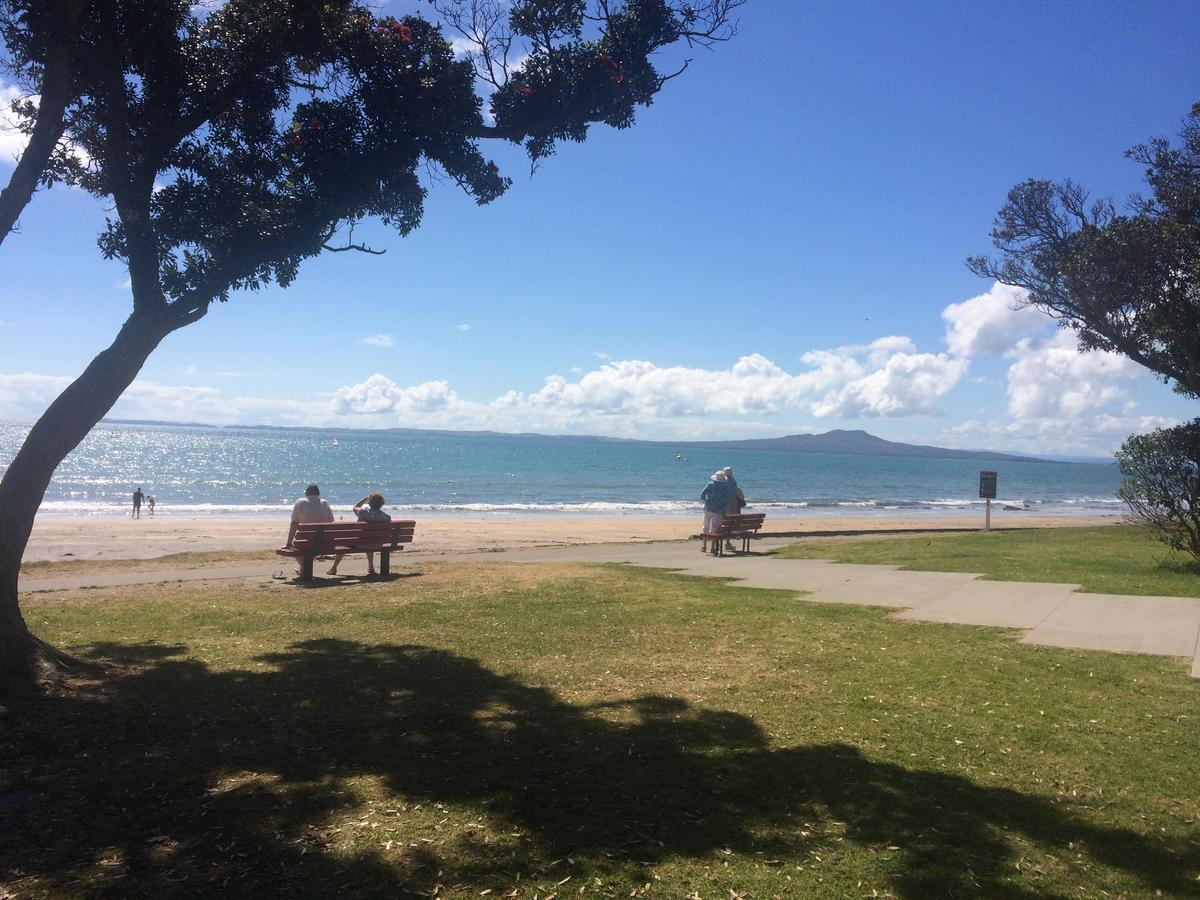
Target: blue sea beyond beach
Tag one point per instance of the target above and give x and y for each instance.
(196, 471)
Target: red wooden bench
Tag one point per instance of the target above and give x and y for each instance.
(743, 527)
(320, 539)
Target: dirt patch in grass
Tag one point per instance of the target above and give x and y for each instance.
(180, 561)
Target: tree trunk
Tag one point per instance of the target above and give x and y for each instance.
(23, 658)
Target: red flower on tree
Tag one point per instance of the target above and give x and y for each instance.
(404, 31)
(613, 70)
(525, 90)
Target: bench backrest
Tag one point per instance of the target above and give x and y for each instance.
(749, 522)
(323, 537)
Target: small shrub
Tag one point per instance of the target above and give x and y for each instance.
(1162, 484)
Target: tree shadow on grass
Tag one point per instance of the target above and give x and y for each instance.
(179, 779)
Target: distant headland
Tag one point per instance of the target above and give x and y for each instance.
(855, 442)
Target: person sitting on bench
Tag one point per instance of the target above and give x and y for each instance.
(373, 512)
(716, 496)
(309, 508)
(736, 501)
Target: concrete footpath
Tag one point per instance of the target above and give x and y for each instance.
(1056, 615)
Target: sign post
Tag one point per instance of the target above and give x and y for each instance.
(987, 490)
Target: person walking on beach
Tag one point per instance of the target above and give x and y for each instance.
(138, 497)
(309, 509)
(150, 503)
(716, 496)
(736, 501)
(368, 509)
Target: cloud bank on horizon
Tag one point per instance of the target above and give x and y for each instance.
(1057, 398)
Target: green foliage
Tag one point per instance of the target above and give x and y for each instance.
(238, 141)
(1125, 283)
(1162, 484)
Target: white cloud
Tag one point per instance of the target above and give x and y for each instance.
(1061, 400)
(624, 397)
(1053, 379)
(12, 141)
(1058, 400)
(379, 394)
(125, 285)
(463, 327)
(883, 378)
(461, 45)
(991, 324)
(1093, 436)
(26, 396)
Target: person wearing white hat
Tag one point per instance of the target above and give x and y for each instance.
(716, 497)
(736, 501)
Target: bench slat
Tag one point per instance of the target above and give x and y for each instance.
(321, 538)
(739, 526)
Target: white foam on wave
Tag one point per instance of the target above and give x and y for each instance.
(816, 508)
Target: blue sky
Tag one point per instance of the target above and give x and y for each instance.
(777, 246)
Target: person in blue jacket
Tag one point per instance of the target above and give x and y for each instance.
(716, 496)
(736, 500)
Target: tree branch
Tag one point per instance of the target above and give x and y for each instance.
(48, 127)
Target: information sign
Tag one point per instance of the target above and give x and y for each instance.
(987, 485)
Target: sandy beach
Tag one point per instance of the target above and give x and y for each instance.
(63, 538)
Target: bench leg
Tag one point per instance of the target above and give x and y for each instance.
(306, 568)
(385, 563)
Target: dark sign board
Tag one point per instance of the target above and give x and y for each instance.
(987, 485)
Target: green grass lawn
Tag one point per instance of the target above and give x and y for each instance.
(1109, 559)
(497, 730)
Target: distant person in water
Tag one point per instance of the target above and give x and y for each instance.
(138, 497)
(368, 509)
(150, 503)
(736, 501)
(716, 496)
(309, 509)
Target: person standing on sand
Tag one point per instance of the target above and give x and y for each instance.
(309, 509)
(736, 501)
(368, 509)
(138, 497)
(716, 496)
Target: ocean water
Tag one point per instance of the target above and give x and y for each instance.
(194, 471)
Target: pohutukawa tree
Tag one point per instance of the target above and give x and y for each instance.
(1126, 282)
(234, 145)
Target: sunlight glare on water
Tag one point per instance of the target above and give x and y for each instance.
(237, 471)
